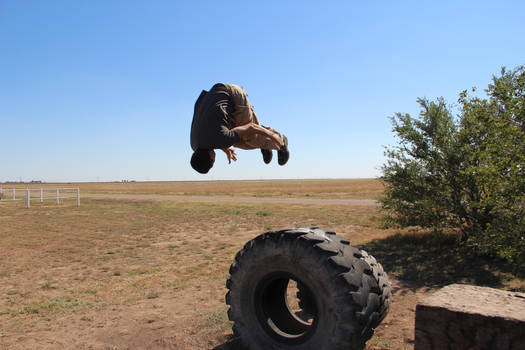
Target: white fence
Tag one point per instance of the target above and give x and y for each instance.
(27, 194)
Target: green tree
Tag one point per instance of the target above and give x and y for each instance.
(463, 172)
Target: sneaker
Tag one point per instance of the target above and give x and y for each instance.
(267, 155)
(283, 154)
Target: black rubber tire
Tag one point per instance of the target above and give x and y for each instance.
(349, 293)
(306, 302)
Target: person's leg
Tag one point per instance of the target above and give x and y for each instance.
(244, 113)
(264, 143)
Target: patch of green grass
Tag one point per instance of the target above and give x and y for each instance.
(219, 247)
(217, 319)
(262, 213)
(227, 209)
(116, 347)
(335, 220)
(47, 286)
(196, 269)
(144, 271)
(153, 295)
(143, 245)
(375, 341)
(371, 221)
(53, 306)
(182, 282)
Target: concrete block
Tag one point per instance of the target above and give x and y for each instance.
(471, 318)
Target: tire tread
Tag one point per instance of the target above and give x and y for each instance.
(360, 280)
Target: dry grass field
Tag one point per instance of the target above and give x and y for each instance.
(339, 188)
(137, 274)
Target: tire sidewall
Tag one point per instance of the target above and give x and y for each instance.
(300, 268)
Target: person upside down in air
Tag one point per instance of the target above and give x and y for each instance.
(223, 117)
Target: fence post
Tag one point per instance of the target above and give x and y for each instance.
(78, 197)
(41, 195)
(28, 198)
(14, 193)
(58, 197)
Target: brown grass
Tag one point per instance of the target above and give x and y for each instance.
(115, 274)
(336, 188)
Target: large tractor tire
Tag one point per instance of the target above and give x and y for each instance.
(342, 292)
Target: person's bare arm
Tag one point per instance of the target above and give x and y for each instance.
(248, 130)
(230, 153)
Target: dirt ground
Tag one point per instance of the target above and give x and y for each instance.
(150, 274)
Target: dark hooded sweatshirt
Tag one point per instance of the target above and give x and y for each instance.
(210, 127)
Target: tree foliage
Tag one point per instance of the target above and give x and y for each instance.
(464, 172)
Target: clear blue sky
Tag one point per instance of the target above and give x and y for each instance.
(104, 90)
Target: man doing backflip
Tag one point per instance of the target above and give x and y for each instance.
(223, 117)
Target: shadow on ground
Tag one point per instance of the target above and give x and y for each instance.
(435, 260)
(230, 344)
(426, 260)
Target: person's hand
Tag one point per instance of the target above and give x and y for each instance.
(230, 153)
